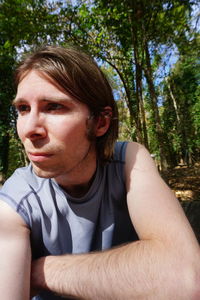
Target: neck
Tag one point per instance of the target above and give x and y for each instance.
(78, 181)
(79, 190)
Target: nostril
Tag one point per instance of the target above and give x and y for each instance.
(35, 132)
(35, 135)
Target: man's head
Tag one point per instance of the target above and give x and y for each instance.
(76, 74)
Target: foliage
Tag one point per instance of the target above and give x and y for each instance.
(133, 42)
(22, 24)
(181, 115)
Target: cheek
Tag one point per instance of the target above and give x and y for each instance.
(20, 129)
(91, 132)
(69, 131)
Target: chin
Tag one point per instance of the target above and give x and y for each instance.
(44, 173)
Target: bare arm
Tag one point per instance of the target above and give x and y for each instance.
(15, 255)
(164, 264)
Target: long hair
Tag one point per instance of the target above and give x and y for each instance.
(77, 74)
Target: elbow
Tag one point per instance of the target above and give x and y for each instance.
(191, 284)
(195, 293)
(185, 281)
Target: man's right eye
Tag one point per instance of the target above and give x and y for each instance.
(22, 108)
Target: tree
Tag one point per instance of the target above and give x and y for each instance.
(22, 24)
(135, 31)
(132, 37)
(182, 101)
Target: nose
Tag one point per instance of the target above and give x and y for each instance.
(33, 126)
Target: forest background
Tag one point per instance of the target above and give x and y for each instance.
(150, 51)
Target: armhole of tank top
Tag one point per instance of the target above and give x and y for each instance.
(123, 152)
(122, 159)
(17, 207)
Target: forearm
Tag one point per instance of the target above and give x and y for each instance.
(140, 270)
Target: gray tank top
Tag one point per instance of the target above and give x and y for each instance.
(62, 224)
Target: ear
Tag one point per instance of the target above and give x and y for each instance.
(103, 122)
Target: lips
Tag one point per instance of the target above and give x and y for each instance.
(39, 157)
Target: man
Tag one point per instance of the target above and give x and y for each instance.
(93, 216)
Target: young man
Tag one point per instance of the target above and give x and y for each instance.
(89, 218)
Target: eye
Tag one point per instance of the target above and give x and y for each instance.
(52, 106)
(22, 108)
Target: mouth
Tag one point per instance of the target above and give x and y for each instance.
(38, 157)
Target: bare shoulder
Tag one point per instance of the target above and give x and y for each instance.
(11, 221)
(138, 158)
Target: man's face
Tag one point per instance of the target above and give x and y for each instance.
(53, 127)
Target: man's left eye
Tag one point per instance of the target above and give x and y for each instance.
(54, 106)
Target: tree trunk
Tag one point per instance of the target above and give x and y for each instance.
(142, 113)
(174, 102)
(4, 154)
(161, 137)
(141, 119)
(181, 129)
(131, 101)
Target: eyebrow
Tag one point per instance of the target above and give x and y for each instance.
(49, 99)
(17, 100)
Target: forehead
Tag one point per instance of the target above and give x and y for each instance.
(36, 85)
(38, 80)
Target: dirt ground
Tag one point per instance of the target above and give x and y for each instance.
(184, 181)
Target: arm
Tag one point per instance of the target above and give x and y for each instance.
(164, 264)
(15, 255)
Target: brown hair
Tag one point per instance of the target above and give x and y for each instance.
(77, 74)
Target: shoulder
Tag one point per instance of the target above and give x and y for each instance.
(140, 168)
(138, 157)
(128, 159)
(18, 189)
(133, 156)
(9, 219)
(21, 182)
(16, 182)
(120, 151)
